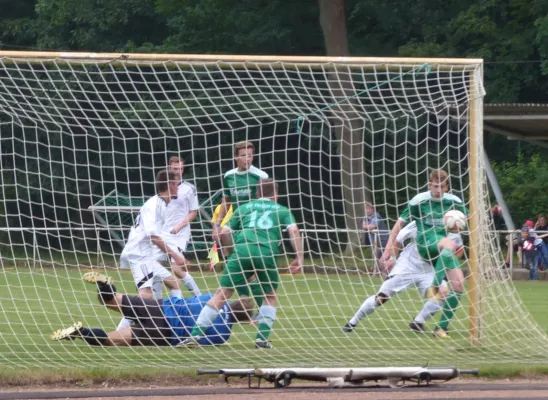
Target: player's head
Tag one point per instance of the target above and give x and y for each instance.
(369, 209)
(176, 165)
(541, 220)
(242, 309)
(267, 188)
(166, 183)
(529, 224)
(438, 183)
(243, 153)
(525, 231)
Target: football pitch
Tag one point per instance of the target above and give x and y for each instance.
(312, 309)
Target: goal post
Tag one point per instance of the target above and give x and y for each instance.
(335, 133)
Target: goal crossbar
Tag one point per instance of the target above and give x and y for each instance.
(308, 61)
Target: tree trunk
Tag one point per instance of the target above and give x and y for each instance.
(349, 127)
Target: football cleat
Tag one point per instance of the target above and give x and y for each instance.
(70, 333)
(348, 328)
(97, 277)
(441, 333)
(416, 326)
(263, 344)
(190, 343)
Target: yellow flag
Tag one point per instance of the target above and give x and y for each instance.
(213, 257)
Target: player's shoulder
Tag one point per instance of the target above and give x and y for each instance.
(452, 198)
(412, 226)
(258, 172)
(231, 172)
(187, 186)
(408, 231)
(153, 202)
(420, 198)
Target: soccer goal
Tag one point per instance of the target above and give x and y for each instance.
(334, 132)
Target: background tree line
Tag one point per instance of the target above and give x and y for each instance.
(511, 35)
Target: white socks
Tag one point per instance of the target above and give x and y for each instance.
(206, 317)
(190, 284)
(157, 290)
(430, 308)
(368, 307)
(124, 323)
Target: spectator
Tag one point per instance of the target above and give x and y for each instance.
(515, 241)
(542, 226)
(542, 244)
(527, 252)
(376, 230)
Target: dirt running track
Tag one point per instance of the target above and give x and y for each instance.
(473, 389)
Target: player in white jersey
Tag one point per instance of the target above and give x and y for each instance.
(145, 244)
(180, 212)
(409, 270)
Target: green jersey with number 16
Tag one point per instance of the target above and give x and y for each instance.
(260, 223)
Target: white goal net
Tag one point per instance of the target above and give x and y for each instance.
(83, 135)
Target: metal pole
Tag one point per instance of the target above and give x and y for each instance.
(498, 193)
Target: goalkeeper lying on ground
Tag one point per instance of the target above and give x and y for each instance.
(156, 323)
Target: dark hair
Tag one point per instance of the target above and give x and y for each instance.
(267, 188)
(241, 309)
(175, 159)
(162, 180)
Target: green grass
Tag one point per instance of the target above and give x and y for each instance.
(312, 309)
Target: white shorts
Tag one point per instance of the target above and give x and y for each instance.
(177, 242)
(148, 272)
(399, 282)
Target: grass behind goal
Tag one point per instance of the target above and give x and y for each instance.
(43, 298)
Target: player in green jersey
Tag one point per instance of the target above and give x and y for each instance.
(254, 251)
(427, 209)
(239, 183)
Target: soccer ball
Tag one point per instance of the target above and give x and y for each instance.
(454, 220)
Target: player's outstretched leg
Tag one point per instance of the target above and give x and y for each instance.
(367, 308)
(207, 316)
(265, 319)
(450, 264)
(432, 306)
(94, 337)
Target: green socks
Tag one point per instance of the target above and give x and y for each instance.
(449, 308)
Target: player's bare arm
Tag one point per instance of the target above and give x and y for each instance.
(225, 237)
(297, 245)
(389, 251)
(187, 220)
(225, 206)
(387, 265)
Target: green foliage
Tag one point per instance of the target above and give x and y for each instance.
(523, 183)
(242, 26)
(98, 25)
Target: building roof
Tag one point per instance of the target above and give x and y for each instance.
(525, 121)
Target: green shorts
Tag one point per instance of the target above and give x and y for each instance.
(246, 261)
(429, 251)
(428, 247)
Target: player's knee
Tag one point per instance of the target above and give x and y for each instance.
(457, 286)
(382, 298)
(447, 243)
